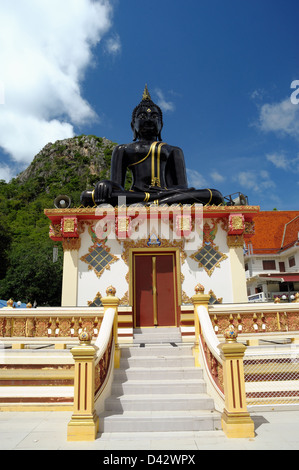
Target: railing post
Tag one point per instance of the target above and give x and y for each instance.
(200, 298)
(112, 302)
(84, 423)
(236, 421)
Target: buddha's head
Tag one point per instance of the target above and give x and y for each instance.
(147, 119)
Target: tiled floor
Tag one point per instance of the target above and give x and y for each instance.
(277, 430)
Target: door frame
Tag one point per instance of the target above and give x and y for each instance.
(177, 277)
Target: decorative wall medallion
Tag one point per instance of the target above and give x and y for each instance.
(98, 257)
(208, 256)
(153, 240)
(213, 299)
(96, 302)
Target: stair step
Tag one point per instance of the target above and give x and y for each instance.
(158, 386)
(156, 350)
(159, 402)
(156, 373)
(157, 335)
(156, 361)
(144, 421)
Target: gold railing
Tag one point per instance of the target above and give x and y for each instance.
(50, 325)
(93, 365)
(238, 377)
(255, 321)
(223, 368)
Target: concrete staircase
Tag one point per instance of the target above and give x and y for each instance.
(157, 336)
(158, 389)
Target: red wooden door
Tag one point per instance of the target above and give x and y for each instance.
(155, 298)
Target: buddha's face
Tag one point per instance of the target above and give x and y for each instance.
(147, 123)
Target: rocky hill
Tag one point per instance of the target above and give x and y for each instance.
(75, 164)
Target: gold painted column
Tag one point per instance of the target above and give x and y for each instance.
(235, 419)
(238, 276)
(84, 423)
(71, 248)
(200, 298)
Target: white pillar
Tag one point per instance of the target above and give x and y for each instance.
(70, 274)
(238, 276)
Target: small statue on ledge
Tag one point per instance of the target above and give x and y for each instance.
(158, 169)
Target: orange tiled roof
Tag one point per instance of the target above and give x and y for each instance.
(271, 230)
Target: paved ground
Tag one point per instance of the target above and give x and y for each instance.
(277, 430)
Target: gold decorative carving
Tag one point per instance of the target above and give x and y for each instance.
(30, 327)
(223, 222)
(19, 327)
(41, 327)
(237, 222)
(55, 231)
(249, 228)
(125, 299)
(164, 243)
(185, 298)
(69, 225)
(71, 244)
(123, 224)
(235, 241)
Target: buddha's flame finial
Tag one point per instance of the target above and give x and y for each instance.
(146, 95)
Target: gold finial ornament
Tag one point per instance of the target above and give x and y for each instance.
(199, 289)
(10, 303)
(111, 291)
(85, 337)
(146, 95)
(230, 334)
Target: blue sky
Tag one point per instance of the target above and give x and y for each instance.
(221, 70)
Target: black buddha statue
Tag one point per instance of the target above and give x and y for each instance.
(158, 169)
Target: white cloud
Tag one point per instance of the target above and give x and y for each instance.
(278, 160)
(195, 179)
(113, 45)
(6, 173)
(217, 177)
(257, 94)
(282, 162)
(254, 180)
(280, 117)
(162, 102)
(45, 49)
(23, 135)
